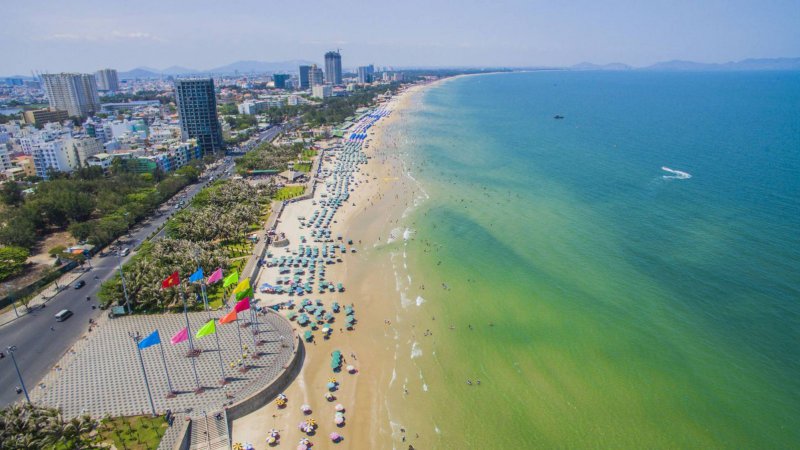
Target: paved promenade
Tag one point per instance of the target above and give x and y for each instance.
(102, 375)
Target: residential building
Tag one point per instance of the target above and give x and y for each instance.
(252, 107)
(83, 147)
(333, 68)
(50, 155)
(365, 74)
(321, 91)
(5, 161)
(25, 162)
(38, 117)
(315, 76)
(305, 80)
(279, 79)
(75, 93)
(197, 109)
(107, 80)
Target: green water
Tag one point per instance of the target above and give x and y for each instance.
(601, 304)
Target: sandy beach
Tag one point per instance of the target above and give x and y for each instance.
(382, 193)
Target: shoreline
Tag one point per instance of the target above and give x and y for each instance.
(368, 217)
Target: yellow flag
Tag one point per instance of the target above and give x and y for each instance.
(244, 284)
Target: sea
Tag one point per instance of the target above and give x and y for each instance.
(624, 276)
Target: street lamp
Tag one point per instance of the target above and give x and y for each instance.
(122, 277)
(11, 351)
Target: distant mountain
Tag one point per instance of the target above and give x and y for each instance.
(746, 64)
(140, 73)
(178, 70)
(590, 66)
(259, 66)
(238, 66)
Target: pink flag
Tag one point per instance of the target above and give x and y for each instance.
(180, 336)
(242, 305)
(214, 277)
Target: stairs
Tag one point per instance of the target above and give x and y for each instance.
(209, 433)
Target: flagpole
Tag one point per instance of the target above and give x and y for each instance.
(255, 318)
(171, 393)
(255, 344)
(205, 297)
(241, 347)
(224, 380)
(192, 353)
(136, 339)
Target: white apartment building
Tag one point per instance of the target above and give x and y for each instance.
(321, 91)
(82, 147)
(75, 93)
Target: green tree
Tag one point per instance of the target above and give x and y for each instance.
(25, 426)
(12, 261)
(11, 193)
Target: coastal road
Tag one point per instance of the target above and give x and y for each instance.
(41, 341)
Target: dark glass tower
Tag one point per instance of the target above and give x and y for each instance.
(333, 68)
(197, 109)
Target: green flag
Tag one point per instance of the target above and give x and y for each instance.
(246, 293)
(208, 328)
(231, 279)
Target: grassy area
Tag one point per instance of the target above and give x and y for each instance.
(133, 433)
(287, 192)
(303, 167)
(308, 153)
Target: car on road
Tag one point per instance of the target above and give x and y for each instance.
(63, 315)
(80, 284)
(125, 251)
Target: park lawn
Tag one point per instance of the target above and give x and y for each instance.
(303, 167)
(133, 433)
(309, 153)
(287, 192)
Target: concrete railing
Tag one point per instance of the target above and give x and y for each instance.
(270, 391)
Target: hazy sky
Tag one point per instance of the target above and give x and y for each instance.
(85, 35)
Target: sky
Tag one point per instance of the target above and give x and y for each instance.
(86, 35)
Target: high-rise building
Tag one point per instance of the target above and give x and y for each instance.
(305, 81)
(107, 80)
(315, 76)
(279, 80)
(333, 68)
(197, 109)
(365, 74)
(75, 93)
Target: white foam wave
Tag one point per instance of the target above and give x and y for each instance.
(676, 174)
(405, 302)
(420, 300)
(416, 351)
(408, 233)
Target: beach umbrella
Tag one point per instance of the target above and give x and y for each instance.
(248, 446)
(339, 420)
(331, 386)
(305, 408)
(271, 440)
(339, 414)
(339, 407)
(335, 437)
(351, 369)
(329, 397)
(302, 447)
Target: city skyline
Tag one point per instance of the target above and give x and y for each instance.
(86, 36)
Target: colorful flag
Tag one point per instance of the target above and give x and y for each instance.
(205, 330)
(228, 318)
(243, 285)
(153, 339)
(180, 336)
(172, 280)
(242, 305)
(243, 294)
(197, 276)
(216, 276)
(230, 279)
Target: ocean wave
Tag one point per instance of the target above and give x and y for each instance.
(676, 174)
(416, 351)
(408, 233)
(420, 300)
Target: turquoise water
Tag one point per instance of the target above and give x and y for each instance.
(612, 303)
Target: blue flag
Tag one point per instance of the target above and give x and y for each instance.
(153, 339)
(197, 276)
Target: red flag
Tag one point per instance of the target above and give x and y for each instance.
(228, 318)
(172, 280)
(242, 305)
